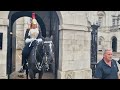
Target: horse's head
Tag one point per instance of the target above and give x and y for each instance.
(48, 50)
(37, 51)
(48, 46)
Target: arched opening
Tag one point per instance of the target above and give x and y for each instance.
(49, 23)
(100, 43)
(114, 44)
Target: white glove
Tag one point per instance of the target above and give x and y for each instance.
(29, 40)
(39, 40)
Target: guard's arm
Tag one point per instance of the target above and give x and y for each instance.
(27, 34)
(29, 40)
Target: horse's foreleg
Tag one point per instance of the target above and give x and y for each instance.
(31, 74)
(40, 74)
(27, 73)
(34, 75)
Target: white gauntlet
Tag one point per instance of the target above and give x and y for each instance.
(39, 40)
(29, 40)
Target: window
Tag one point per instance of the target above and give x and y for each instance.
(114, 44)
(101, 43)
(100, 40)
(100, 19)
(113, 22)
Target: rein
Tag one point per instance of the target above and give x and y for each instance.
(37, 63)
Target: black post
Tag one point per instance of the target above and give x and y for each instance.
(9, 52)
(8, 76)
(94, 47)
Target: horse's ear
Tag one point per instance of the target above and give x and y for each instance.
(51, 37)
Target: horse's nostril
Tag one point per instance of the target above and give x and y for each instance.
(47, 53)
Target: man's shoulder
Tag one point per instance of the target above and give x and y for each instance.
(100, 63)
(114, 61)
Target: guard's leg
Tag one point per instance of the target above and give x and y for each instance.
(24, 56)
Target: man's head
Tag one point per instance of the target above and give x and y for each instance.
(107, 54)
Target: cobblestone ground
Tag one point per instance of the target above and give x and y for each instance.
(17, 75)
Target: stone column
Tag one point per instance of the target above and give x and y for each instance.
(74, 52)
(3, 52)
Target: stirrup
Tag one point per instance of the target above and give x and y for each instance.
(21, 70)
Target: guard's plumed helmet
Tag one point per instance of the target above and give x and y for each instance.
(34, 29)
(34, 21)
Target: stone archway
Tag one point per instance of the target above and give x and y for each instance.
(48, 29)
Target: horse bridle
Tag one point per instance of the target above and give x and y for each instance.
(38, 64)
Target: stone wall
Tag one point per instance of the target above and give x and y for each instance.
(3, 52)
(74, 54)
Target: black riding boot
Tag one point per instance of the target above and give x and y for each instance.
(21, 70)
(23, 64)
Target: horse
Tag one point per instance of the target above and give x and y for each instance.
(48, 54)
(35, 63)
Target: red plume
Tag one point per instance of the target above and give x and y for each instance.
(33, 15)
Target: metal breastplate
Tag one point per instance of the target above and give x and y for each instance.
(33, 33)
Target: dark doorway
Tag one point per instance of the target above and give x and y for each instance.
(1, 40)
(49, 23)
(114, 44)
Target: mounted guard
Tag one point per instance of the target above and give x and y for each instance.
(32, 34)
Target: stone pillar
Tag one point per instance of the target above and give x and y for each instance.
(3, 52)
(74, 52)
